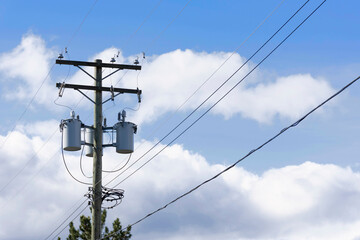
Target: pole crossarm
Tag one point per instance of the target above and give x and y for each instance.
(98, 64)
(103, 89)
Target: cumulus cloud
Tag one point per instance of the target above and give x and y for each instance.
(287, 97)
(306, 201)
(293, 202)
(167, 80)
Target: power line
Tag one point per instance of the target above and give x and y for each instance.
(247, 155)
(132, 164)
(193, 94)
(232, 75)
(197, 119)
(208, 111)
(263, 59)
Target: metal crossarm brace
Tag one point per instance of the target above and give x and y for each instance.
(85, 96)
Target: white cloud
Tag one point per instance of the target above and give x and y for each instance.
(311, 201)
(167, 81)
(294, 202)
(285, 203)
(288, 97)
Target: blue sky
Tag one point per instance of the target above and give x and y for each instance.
(291, 189)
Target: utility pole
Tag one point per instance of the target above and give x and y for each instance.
(98, 127)
(97, 158)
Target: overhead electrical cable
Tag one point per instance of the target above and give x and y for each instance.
(232, 75)
(174, 139)
(169, 118)
(246, 156)
(153, 213)
(187, 117)
(221, 65)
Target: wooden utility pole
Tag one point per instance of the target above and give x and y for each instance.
(98, 127)
(97, 157)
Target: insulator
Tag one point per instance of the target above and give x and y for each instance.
(123, 115)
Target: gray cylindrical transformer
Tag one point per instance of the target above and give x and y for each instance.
(71, 134)
(125, 137)
(89, 138)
